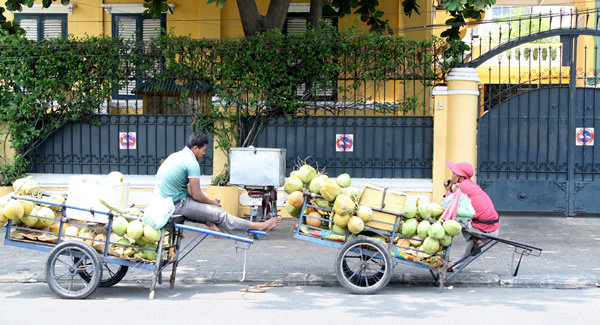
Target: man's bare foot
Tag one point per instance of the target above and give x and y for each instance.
(213, 226)
(272, 223)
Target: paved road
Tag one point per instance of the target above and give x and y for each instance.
(570, 259)
(293, 304)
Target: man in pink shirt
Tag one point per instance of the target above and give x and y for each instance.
(485, 220)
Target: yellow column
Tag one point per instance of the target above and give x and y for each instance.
(440, 130)
(459, 121)
(463, 94)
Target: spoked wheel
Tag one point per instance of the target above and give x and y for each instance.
(65, 266)
(111, 274)
(364, 266)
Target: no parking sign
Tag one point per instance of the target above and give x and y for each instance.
(344, 142)
(585, 136)
(127, 140)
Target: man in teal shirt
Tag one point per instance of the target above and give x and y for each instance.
(179, 178)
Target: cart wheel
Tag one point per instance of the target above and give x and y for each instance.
(364, 266)
(65, 266)
(111, 274)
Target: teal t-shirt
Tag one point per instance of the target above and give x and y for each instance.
(173, 173)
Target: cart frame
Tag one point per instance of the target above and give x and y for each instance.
(366, 246)
(86, 264)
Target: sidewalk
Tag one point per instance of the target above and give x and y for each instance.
(570, 259)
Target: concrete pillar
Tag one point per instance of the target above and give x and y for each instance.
(455, 134)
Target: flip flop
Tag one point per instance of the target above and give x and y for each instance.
(270, 284)
(254, 289)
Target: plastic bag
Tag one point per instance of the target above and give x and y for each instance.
(450, 210)
(465, 208)
(158, 211)
(446, 200)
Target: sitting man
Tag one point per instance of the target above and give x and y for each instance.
(179, 178)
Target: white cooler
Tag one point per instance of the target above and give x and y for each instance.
(85, 191)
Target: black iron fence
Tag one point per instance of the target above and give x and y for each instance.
(378, 127)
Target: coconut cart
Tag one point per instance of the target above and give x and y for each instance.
(78, 264)
(364, 263)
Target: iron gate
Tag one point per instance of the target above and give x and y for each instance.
(381, 146)
(535, 136)
(82, 148)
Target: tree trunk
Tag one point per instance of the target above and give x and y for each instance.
(253, 22)
(316, 13)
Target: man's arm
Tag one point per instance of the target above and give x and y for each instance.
(196, 193)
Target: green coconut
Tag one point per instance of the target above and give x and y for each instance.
(430, 245)
(446, 241)
(410, 210)
(355, 225)
(292, 210)
(344, 180)
(436, 210)
(341, 219)
(422, 229)
(330, 190)
(293, 184)
(135, 230)
(436, 231)
(452, 227)
(315, 184)
(409, 227)
(339, 229)
(306, 173)
(365, 213)
(150, 235)
(343, 204)
(119, 225)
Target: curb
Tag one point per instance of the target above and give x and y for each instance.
(400, 280)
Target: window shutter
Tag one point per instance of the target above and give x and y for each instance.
(296, 26)
(127, 28)
(52, 28)
(150, 29)
(30, 26)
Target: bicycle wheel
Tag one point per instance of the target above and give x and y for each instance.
(65, 266)
(111, 274)
(364, 266)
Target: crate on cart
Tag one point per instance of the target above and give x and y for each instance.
(381, 198)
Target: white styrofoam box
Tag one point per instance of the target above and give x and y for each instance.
(257, 166)
(85, 191)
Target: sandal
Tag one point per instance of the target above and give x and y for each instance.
(254, 289)
(270, 284)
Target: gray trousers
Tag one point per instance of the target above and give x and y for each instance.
(468, 227)
(195, 210)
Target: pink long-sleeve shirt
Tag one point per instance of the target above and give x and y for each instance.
(482, 204)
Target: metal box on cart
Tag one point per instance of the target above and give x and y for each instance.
(257, 166)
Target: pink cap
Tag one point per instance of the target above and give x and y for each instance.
(463, 169)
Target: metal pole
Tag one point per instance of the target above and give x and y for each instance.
(571, 133)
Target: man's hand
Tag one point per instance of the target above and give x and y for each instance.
(216, 202)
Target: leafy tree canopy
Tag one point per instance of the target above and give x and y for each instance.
(253, 22)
